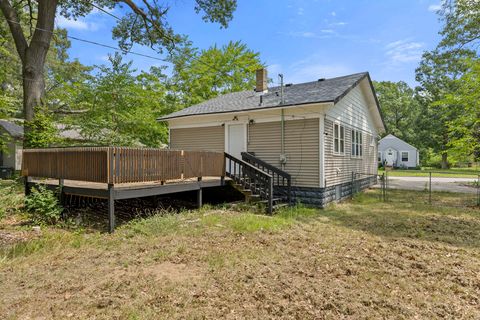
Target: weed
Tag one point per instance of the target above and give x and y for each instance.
(43, 205)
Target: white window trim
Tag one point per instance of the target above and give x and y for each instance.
(353, 142)
(339, 153)
(408, 156)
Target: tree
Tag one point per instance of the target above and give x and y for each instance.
(465, 128)
(122, 108)
(400, 108)
(201, 75)
(144, 24)
(461, 27)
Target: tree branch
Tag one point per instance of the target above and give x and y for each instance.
(147, 19)
(15, 28)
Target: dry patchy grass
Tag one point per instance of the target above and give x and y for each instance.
(358, 259)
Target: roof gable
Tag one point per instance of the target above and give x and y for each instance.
(13, 129)
(390, 140)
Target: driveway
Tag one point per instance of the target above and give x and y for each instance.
(462, 185)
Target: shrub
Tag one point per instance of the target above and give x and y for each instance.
(43, 205)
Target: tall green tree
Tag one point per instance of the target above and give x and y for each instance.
(440, 70)
(122, 107)
(201, 75)
(400, 108)
(465, 128)
(145, 22)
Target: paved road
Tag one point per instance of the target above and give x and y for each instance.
(438, 184)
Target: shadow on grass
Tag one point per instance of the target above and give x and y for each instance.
(451, 225)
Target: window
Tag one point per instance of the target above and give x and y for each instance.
(404, 156)
(379, 157)
(357, 143)
(338, 139)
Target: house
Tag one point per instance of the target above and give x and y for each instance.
(395, 152)
(12, 135)
(322, 133)
(12, 132)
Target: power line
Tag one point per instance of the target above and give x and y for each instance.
(99, 44)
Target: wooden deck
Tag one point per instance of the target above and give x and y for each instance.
(115, 173)
(129, 190)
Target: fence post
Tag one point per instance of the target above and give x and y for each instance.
(430, 188)
(383, 186)
(478, 191)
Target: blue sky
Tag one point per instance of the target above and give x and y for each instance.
(304, 40)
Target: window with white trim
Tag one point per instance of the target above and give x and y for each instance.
(404, 156)
(338, 139)
(357, 143)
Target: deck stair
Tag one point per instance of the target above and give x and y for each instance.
(259, 182)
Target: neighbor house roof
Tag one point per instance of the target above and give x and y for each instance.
(13, 129)
(390, 136)
(323, 90)
(67, 132)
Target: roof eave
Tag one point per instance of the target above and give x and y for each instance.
(161, 119)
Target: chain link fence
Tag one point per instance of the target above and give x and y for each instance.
(438, 188)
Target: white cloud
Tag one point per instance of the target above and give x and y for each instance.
(403, 51)
(323, 34)
(337, 24)
(434, 7)
(312, 68)
(79, 24)
(300, 11)
(333, 13)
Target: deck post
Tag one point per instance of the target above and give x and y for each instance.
(199, 193)
(222, 180)
(27, 186)
(61, 183)
(111, 208)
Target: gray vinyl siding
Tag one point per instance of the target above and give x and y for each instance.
(301, 148)
(201, 138)
(346, 164)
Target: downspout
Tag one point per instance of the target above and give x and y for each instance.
(282, 131)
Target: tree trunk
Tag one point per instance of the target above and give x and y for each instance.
(444, 160)
(33, 62)
(33, 82)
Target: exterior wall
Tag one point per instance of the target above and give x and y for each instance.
(400, 146)
(301, 148)
(352, 112)
(202, 138)
(12, 158)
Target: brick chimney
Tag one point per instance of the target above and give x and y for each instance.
(262, 80)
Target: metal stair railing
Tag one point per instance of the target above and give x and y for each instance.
(281, 179)
(251, 178)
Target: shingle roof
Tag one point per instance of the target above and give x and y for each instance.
(328, 90)
(13, 129)
(67, 132)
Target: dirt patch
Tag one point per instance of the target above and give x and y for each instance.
(175, 272)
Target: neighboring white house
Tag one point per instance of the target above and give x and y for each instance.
(395, 152)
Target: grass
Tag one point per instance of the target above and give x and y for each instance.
(358, 259)
(424, 172)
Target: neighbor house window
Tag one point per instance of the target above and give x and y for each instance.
(404, 156)
(357, 143)
(379, 157)
(338, 138)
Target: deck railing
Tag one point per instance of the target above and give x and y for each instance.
(116, 165)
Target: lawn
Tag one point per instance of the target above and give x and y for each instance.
(445, 173)
(358, 259)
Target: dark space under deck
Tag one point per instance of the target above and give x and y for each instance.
(126, 191)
